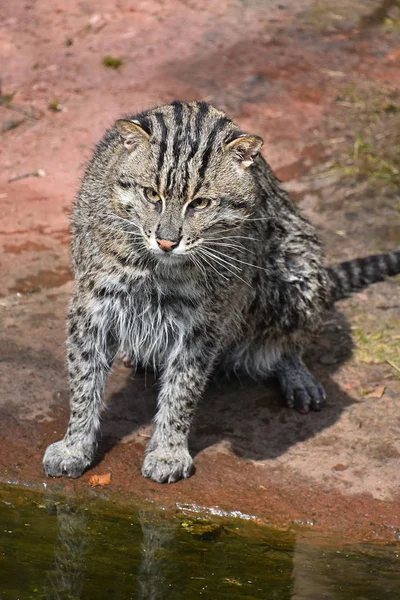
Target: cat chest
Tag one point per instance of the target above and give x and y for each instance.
(155, 320)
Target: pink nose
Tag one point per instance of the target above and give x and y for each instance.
(167, 245)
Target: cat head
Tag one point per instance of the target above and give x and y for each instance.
(184, 175)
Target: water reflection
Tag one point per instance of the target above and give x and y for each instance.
(158, 543)
(149, 557)
(65, 579)
(51, 551)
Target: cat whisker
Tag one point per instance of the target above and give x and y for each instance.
(220, 260)
(214, 269)
(196, 261)
(233, 237)
(222, 230)
(241, 261)
(210, 254)
(227, 245)
(258, 219)
(134, 234)
(131, 223)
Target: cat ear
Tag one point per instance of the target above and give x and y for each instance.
(132, 133)
(245, 148)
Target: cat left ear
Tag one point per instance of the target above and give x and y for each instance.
(245, 148)
(132, 133)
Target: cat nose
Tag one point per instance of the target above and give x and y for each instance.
(167, 245)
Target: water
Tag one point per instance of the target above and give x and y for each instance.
(53, 548)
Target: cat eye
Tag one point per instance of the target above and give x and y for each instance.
(124, 184)
(152, 196)
(200, 203)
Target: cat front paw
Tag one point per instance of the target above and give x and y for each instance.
(61, 460)
(168, 465)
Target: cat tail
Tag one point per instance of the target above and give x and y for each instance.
(354, 275)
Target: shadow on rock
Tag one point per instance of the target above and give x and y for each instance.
(247, 415)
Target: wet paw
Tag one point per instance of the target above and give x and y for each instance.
(167, 465)
(302, 391)
(60, 460)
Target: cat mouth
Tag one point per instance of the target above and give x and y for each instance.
(169, 257)
(165, 252)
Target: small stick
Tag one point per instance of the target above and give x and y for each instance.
(6, 102)
(29, 114)
(393, 365)
(38, 173)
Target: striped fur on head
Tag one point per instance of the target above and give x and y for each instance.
(172, 160)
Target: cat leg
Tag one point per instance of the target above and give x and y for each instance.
(300, 389)
(91, 350)
(185, 376)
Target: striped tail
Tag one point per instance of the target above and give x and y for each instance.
(354, 275)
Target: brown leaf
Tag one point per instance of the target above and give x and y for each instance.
(340, 467)
(100, 479)
(377, 392)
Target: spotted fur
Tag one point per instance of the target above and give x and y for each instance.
(187, 255)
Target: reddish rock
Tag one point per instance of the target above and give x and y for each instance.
(275, 72)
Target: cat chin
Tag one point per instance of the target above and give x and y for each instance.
(169, 258)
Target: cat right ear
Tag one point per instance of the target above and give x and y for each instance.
(245, 148)
(132, 133)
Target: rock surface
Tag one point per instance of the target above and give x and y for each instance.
(280, 70)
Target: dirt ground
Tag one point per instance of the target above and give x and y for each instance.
(320, 83)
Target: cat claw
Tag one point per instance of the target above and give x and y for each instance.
(59, 461)
(164, 465)
(300, 389)
(307, 397)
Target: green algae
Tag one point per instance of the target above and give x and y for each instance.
(69, 549)
(55, 105)
(392, 24)
(112, 62)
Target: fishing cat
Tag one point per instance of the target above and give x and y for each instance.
(188, 254)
